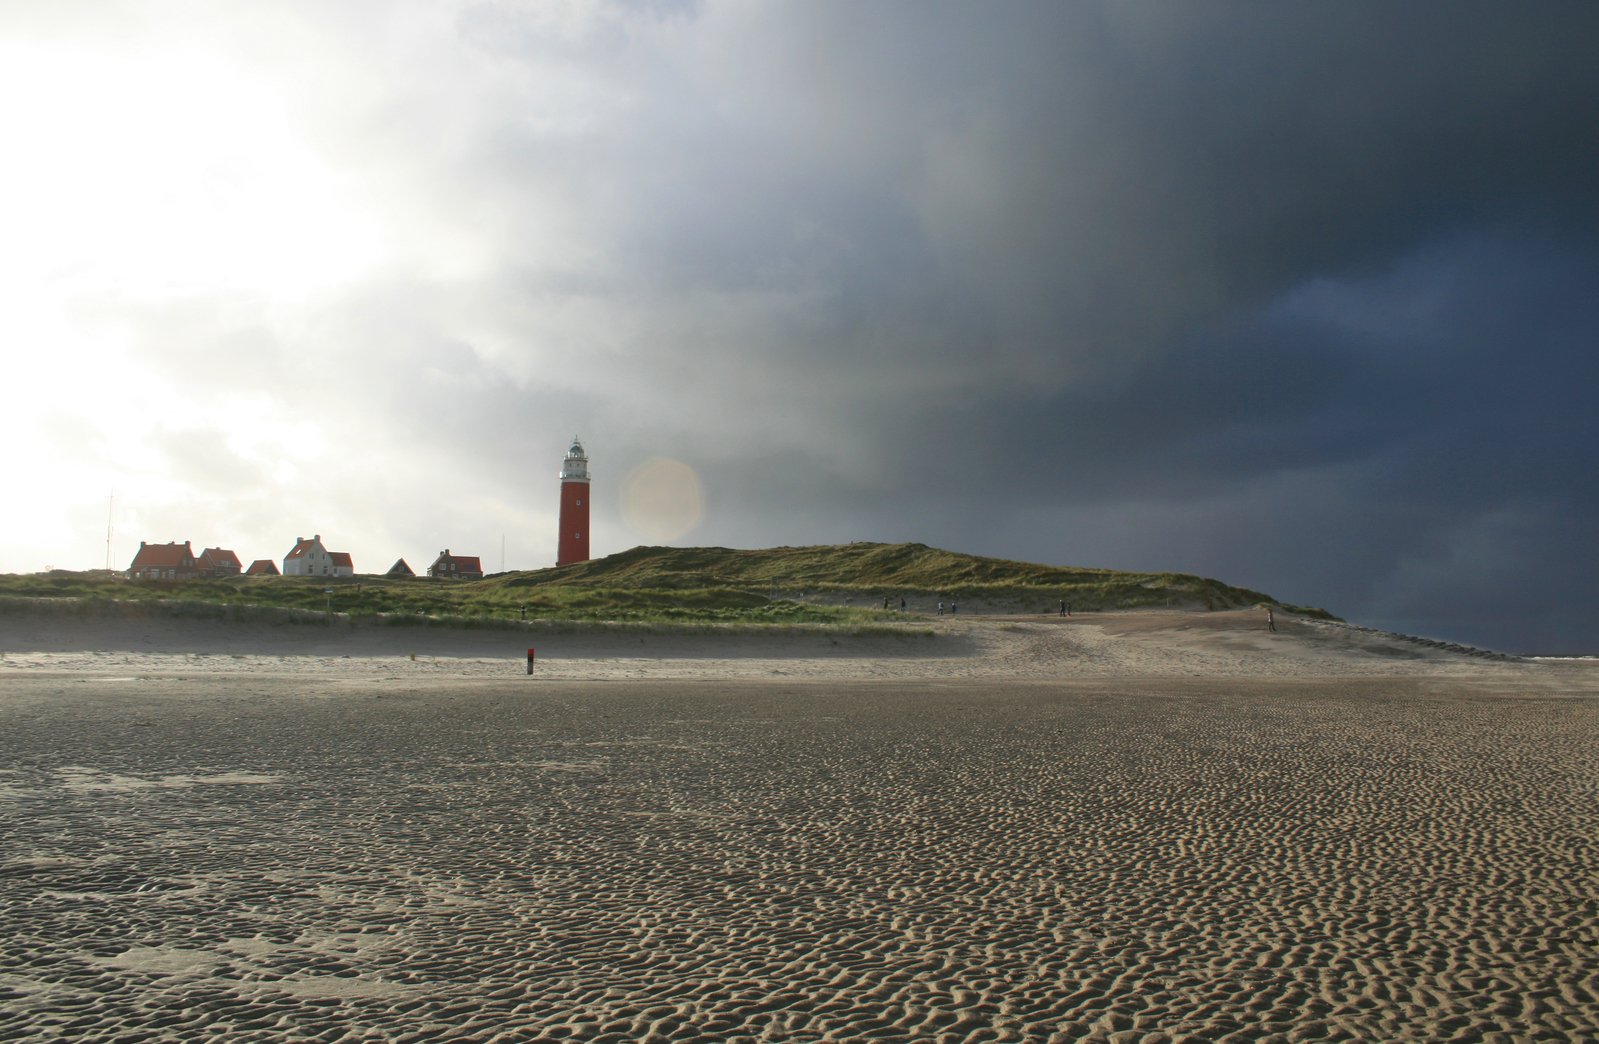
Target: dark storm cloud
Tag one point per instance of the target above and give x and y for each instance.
(1092, 182)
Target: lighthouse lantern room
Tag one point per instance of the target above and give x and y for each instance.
(573, 545)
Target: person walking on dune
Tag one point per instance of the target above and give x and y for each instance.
(1271, 620)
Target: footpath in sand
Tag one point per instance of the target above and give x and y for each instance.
(1132, 827)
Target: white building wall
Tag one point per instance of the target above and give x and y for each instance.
(314, 562)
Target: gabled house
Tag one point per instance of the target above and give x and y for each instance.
(164, 562)
(400, 568)
(262, 567)
(456, 567)
(217, 561)
(310, 558)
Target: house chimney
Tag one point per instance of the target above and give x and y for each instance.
(299, 540)
(141, 545)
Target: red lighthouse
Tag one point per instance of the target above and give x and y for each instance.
(573, 545)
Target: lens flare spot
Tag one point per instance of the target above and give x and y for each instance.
(662, 499)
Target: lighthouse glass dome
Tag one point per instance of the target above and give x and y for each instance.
(576, 467)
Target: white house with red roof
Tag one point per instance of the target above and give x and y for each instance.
(310, 558)
(169, 561)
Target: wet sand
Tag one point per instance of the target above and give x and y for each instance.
(935, 844)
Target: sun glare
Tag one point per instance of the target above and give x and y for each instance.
(157, 174)
(662, 499)
(138, 179)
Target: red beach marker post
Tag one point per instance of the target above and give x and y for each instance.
(530, 661)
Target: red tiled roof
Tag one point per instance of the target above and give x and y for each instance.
(162, 556)
(263, 567)
(301, 549)
(221, 556)
(341, 558)
(461, 563)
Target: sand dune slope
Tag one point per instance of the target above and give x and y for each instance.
(1234, 643)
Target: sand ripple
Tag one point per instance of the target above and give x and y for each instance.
(1161, 861)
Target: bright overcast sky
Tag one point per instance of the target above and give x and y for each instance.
(1299, 296)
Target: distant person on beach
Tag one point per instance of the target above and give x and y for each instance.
(902, 605)
(953, 608)
(1271, 621)
(940, 608)
(1063, 607)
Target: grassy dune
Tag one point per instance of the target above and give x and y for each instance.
(867, 571)
(842, 585)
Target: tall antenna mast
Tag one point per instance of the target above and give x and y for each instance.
(109, 501)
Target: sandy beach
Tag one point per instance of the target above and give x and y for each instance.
(1128, 827)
